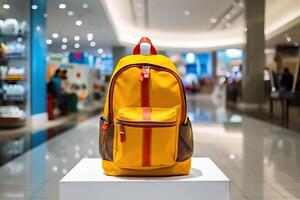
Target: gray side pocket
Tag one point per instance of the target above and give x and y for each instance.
(185, 142)
(106, 140)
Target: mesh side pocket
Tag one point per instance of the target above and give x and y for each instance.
(106, 139)
(185, 142)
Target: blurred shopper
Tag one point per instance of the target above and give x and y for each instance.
(287, 80)
(56, 81)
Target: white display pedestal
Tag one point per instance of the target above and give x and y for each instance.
(86, 181)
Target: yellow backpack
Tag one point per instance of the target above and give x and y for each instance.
(144, 130)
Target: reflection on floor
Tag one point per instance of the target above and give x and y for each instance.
(262, 160)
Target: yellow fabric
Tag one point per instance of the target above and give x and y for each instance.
(165, 100)
(128, 154)
(179, 168)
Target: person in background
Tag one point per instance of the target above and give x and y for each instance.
(287, 80)
(64, 81)
(56, 80)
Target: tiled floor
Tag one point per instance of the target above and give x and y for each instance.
(263, 161)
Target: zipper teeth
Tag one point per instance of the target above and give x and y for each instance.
(146, 124)
(158, 68)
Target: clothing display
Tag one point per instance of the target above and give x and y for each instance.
(145, 130)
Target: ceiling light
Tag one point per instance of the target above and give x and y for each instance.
(241, 4)
(92, 44)
(76, 38)
(64, 40)
(288, 38)
(187, 12)
(62, 6)
(63, 47)
(76, 45)
(78, 22)
(70, 13)
(227, 16)
(45, 15)
(296, 44)
(90, 36)
(213, 20)
(100, 51)
(49, 41)
(34, 7)
(55, 35)
(6, 6)
(85, 5)
(38, 28)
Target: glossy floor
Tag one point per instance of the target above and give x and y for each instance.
(262, 160)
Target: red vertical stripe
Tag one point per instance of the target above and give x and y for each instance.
(146, 158)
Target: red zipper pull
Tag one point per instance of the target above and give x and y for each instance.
(105, 125)
(122, 133)
(145, 72)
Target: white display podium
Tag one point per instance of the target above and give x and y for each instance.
(86, 181)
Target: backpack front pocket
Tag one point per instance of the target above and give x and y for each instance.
(146, 138)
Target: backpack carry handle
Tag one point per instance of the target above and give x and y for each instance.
(137, 48)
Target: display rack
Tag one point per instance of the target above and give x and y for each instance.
(13, 83)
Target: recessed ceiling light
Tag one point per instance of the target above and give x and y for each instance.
(213, 20)
(187, 12)
(90, 36)
(64, 40)
(85, 5)
(288, 39)
(78, 22)
(55, 35)
(100, 51)
(62, 6)
(6, 6)
(76, 38)
(70, 13)
(49, 41)
(45, 15)
(63, 46)
(92, 44)
(37, 28)
(227, 16)
(76, 45)
(296, 44)
(34, 7)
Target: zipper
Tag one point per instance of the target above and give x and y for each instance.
(139, 124)
(145, 72)
(146, 124)
(155, 67)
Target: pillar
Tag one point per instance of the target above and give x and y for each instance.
(253, 69)
(214, 62)
(118, 52)
(38, 53)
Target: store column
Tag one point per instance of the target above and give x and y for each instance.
(118, 52)
(253, 83)
(38, 65)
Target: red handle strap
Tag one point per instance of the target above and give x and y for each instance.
(137, 48)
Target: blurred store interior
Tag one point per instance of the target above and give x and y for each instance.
(239, 61)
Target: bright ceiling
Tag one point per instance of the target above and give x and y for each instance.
(172, 24)
(93, 18)
(191, 24)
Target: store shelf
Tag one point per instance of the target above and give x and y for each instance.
(12, 121)
(23, 36)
